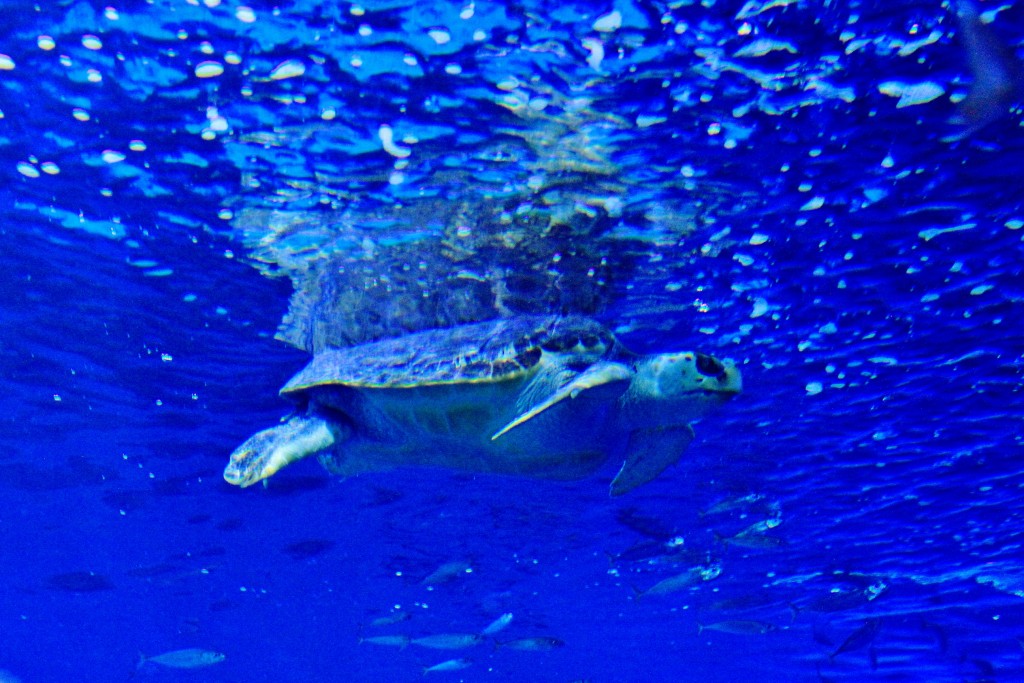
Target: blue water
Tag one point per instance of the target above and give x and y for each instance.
(773, 206)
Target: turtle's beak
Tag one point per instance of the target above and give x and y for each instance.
(240, 470)
(731, 381)
(234, 475)
(723, 376)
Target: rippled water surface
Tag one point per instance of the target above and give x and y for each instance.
(199, 194)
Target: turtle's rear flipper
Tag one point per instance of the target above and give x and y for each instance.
(649, 452)
(614, 375)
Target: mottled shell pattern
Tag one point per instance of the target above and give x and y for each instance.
(491, 351)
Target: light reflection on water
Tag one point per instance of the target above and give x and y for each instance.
(738, 176)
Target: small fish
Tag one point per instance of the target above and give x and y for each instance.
(309, 548)
(672, 551)
(80, 582)
(754, 541)
(393, 618)
(844, 599)
(730, 504)
(862, 637)
(643, 550)
(651, 527)
(449, 641)
(743, 602)
(738, 627)
(448, 665)
(761, 527)
(672, 584)
(191, 658)
(753, 537)
(446, 572)
(690, 577)
(391, 641)
(540, 644)
(498, 624)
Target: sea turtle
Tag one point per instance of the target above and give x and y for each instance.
(539, 396)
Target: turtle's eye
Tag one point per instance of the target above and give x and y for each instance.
(708, 366)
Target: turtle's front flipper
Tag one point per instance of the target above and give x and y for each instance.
(266, 452)
(649, 452)
(599, 374)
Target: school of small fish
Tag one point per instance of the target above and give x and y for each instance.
(840, 616)
(444, 574)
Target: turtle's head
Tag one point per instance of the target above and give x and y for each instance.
(681, 387)
(266, 452)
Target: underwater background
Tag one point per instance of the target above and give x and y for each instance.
(196, 194)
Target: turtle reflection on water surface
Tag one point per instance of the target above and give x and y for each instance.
(548, 397)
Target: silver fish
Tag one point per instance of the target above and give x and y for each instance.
(446, 572)
(753, 537)
(838, 600)
(743, 602)
(729, 504)
(448, 665)
(690, 577)
(862, 637)
(191, 658)
(498, 624)
(541, 644)
(393, 618)
(393, 641)
(738, 627)
(449, 641)
(754, 542)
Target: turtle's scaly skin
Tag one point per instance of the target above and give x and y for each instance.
(537, 396)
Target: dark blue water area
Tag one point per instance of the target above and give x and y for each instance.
(854, 515)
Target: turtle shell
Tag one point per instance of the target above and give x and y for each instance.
(481, 352)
